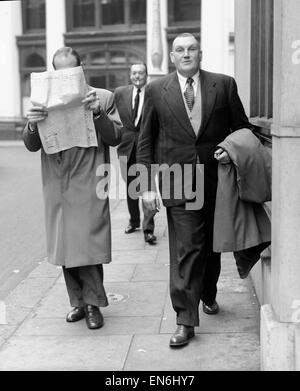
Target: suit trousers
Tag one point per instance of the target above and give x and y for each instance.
(133, 204)
(85, 285)
(213, 265)
(194, 268)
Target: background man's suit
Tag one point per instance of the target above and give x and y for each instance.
(167, 136)
(127, 147)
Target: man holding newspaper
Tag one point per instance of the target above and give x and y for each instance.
(74, 125)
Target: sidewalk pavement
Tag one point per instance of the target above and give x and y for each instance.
(138, 322)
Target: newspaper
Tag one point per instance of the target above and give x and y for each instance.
(68, 123)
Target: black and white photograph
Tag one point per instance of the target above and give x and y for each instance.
(150, 189)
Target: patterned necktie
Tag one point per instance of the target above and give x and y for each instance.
(136, 104)
(189, 93)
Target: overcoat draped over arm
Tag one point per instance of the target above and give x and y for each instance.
(77, 221)
(241, 221)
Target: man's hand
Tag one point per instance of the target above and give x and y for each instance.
(92, 102)
(151, 201)
(36, 114)
(222, 156)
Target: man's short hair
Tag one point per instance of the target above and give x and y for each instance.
(182, 35)
(140, 63)
(65, 52)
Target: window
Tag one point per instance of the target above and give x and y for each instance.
(103, 14)
(138, 11)
(261, 98)
(31, 60)
(109, 67)
(33, 12)
(184, 11)
(84, 13)
(112, 12)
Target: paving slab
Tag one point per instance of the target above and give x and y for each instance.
(134, 257)
(16, 314)
(156, 272)
(238, 313)
(29, 292)
(205, 352)
(114, 272)
(55, 304)
(2, 341)
(163, 255)
(135, 242)
(38, 353)
(45, 270)
(112, 326)
(6, 331)
(232, 284)
(138, 299)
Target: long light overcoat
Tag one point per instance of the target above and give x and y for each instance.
(77, 221)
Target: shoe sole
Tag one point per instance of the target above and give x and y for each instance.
(211, 312)
(94, 328)
(75, 320)
(175, 345)
(131, 231)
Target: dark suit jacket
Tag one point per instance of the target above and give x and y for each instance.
(130, 132)
(166, 135)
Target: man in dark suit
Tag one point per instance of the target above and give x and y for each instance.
(129, 100)
(186, 115)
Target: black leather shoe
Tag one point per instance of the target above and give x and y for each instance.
(149, 237)
(76, 314)
(211, 309)
(182, 336)
(131, 228)
(93, 317)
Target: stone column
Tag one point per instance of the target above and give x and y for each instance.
(10, 27)
(217, 18)
(280, 320)
(55, 27)
(157, 46)
(242, 28)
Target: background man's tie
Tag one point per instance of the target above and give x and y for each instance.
(136, 104)
(189, 93)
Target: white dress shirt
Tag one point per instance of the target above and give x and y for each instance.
(141, 102)
(183, 83)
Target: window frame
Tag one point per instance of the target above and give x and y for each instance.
(26, 29)
(99, 26)
(171, 15)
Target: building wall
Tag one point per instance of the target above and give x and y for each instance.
(217, 39)
(23, 52)
(10, 27)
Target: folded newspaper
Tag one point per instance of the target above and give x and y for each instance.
(68, 123)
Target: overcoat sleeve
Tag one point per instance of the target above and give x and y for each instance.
(108, 125)
(147, 139)
(238, 117)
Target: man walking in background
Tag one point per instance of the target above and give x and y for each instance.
(129, 100)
